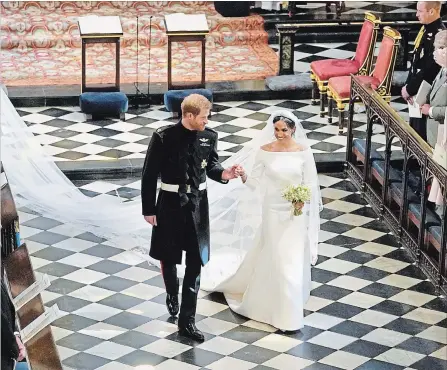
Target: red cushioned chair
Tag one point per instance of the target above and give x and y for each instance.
(361, 63)
(339, 88)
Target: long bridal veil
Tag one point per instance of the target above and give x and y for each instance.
(38, 184)
(233, 232)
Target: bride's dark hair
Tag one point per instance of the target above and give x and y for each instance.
(290, 123)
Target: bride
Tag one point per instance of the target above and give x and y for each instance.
(261, 254)
(273, 280)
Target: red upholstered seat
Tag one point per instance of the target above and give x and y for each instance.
(384, 59)
(342, 85)
(328, 68)
(365, 39)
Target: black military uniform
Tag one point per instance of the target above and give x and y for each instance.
(183, 158)
(423, 67)
(10, 349)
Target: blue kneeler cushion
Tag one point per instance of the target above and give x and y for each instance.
(173, 98)
(104, 104)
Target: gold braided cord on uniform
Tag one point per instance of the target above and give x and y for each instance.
(417, 42)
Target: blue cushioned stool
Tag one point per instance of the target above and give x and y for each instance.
(104, 104)
(173, 98)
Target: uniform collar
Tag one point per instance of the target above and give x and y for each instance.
(434, 26)
(185, 131)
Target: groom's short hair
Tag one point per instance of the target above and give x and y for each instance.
(194, 103)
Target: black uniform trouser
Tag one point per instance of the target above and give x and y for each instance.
(191, 281)
(191, 286)
(420, 126)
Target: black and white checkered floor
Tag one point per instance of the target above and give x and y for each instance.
(370, 307)
(359, 7)
(356, 7)
(66, 135)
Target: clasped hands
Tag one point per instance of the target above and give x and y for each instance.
(230, 173)
(234, 172)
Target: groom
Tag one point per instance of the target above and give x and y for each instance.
(183, 155)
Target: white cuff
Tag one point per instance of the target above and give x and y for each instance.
(430, 112)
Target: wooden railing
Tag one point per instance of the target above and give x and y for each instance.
(396, 183)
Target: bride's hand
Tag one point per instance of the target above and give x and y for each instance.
(298, 205)
(242, 174)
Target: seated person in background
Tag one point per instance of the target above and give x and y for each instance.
(12, 347)
(437, 103)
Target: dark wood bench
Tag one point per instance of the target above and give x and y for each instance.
(396, 191)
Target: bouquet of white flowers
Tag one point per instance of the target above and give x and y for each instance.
(296, 194)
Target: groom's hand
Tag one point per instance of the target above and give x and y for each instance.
(230, 173)
(151, 219)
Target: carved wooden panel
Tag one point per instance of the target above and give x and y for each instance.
(391, 221)
(400, 132)
(416, 150)
(437, 171)
(429, 267)
(360, 91)
(407, 240)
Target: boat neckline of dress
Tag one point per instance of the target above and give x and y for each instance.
(294, 151)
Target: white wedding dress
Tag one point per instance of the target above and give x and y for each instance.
(260, 253)
(272, 283)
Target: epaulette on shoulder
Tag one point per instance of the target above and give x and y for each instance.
(210, 130)
(163, 130)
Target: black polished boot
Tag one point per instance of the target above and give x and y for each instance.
(172, 304)
(169, 273)
(190, 331)
(191, 286)
(172, 297)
